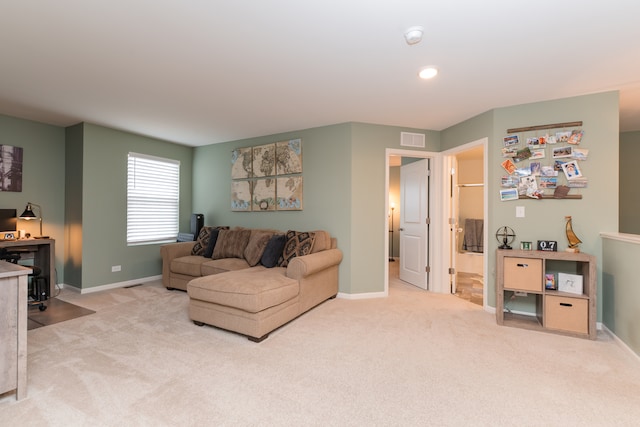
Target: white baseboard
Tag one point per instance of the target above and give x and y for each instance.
(366, 295)
(111, 285)
(620, 342)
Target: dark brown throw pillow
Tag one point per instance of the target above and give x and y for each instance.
(213, 238)
(255, 247)
(231, 243)
(202, 241)
(273, 252)
(298, 243)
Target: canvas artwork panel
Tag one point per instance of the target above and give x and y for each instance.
(264, 160)
(241, 163)
(289, 157)
(264, 195)
(241, 196)
(11, 168)
(289, 193)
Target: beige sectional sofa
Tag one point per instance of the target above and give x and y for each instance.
(252, 281)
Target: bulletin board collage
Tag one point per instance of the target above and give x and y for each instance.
(543, 166)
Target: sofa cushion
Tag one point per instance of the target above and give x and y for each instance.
(257, 243)
(189, 265)
(222, 265)
(252, 290)
(298, 243)
(273, 251)
(231, 243)
(321, 241)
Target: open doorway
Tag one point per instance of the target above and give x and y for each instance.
(393, 217)
(467, 218)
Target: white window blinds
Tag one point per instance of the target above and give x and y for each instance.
(153, 195)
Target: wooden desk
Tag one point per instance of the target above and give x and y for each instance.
(44, 256)
(13, 328)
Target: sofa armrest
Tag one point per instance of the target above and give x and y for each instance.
(307, 265)
(171, 251)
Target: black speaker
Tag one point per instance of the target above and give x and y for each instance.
(197, 222)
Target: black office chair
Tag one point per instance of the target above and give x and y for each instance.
(35, 280)
(9, 256)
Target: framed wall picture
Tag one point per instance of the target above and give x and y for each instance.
(11, 159)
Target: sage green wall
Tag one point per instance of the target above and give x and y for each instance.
(368, 200)
(326, 183)
(478, 127)
(598, 209)
(620, 291)
(104, 204)
(42, 177)
(343, 171)
(72, 249)
(629, 188)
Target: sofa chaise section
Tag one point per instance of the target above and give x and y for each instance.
(230, 294)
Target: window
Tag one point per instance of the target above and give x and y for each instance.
(153, 195)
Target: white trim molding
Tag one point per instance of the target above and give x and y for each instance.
(111, 285)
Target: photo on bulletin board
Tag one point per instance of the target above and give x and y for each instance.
(575, 137)
(571, 170)
(509, 194)
(510, 140)
(560, 152)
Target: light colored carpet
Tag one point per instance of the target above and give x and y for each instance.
(411, 359)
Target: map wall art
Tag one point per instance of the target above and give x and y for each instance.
(267, 177)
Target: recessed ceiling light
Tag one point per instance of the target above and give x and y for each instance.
(413, 35)
(428, 73)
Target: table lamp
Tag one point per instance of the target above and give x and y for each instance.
(28, 214)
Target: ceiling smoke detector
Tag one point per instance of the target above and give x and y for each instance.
(413, 35)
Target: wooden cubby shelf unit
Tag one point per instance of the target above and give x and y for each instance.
(558, 312)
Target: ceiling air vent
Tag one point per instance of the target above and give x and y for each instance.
(412, 139)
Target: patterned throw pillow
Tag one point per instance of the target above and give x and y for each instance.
(299, 243)
(202, 241)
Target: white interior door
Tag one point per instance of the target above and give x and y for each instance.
(414, 223)
(454, 227)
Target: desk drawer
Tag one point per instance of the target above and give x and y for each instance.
(566, 314)
(523, 274)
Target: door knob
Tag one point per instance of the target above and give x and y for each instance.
(401, 229)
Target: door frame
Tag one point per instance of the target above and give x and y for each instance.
(446, 243)
(435, 231)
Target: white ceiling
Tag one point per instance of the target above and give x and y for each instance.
(199, 72)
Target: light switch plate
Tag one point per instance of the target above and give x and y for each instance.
(519, 211)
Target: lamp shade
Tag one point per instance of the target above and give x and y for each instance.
(28, 213)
